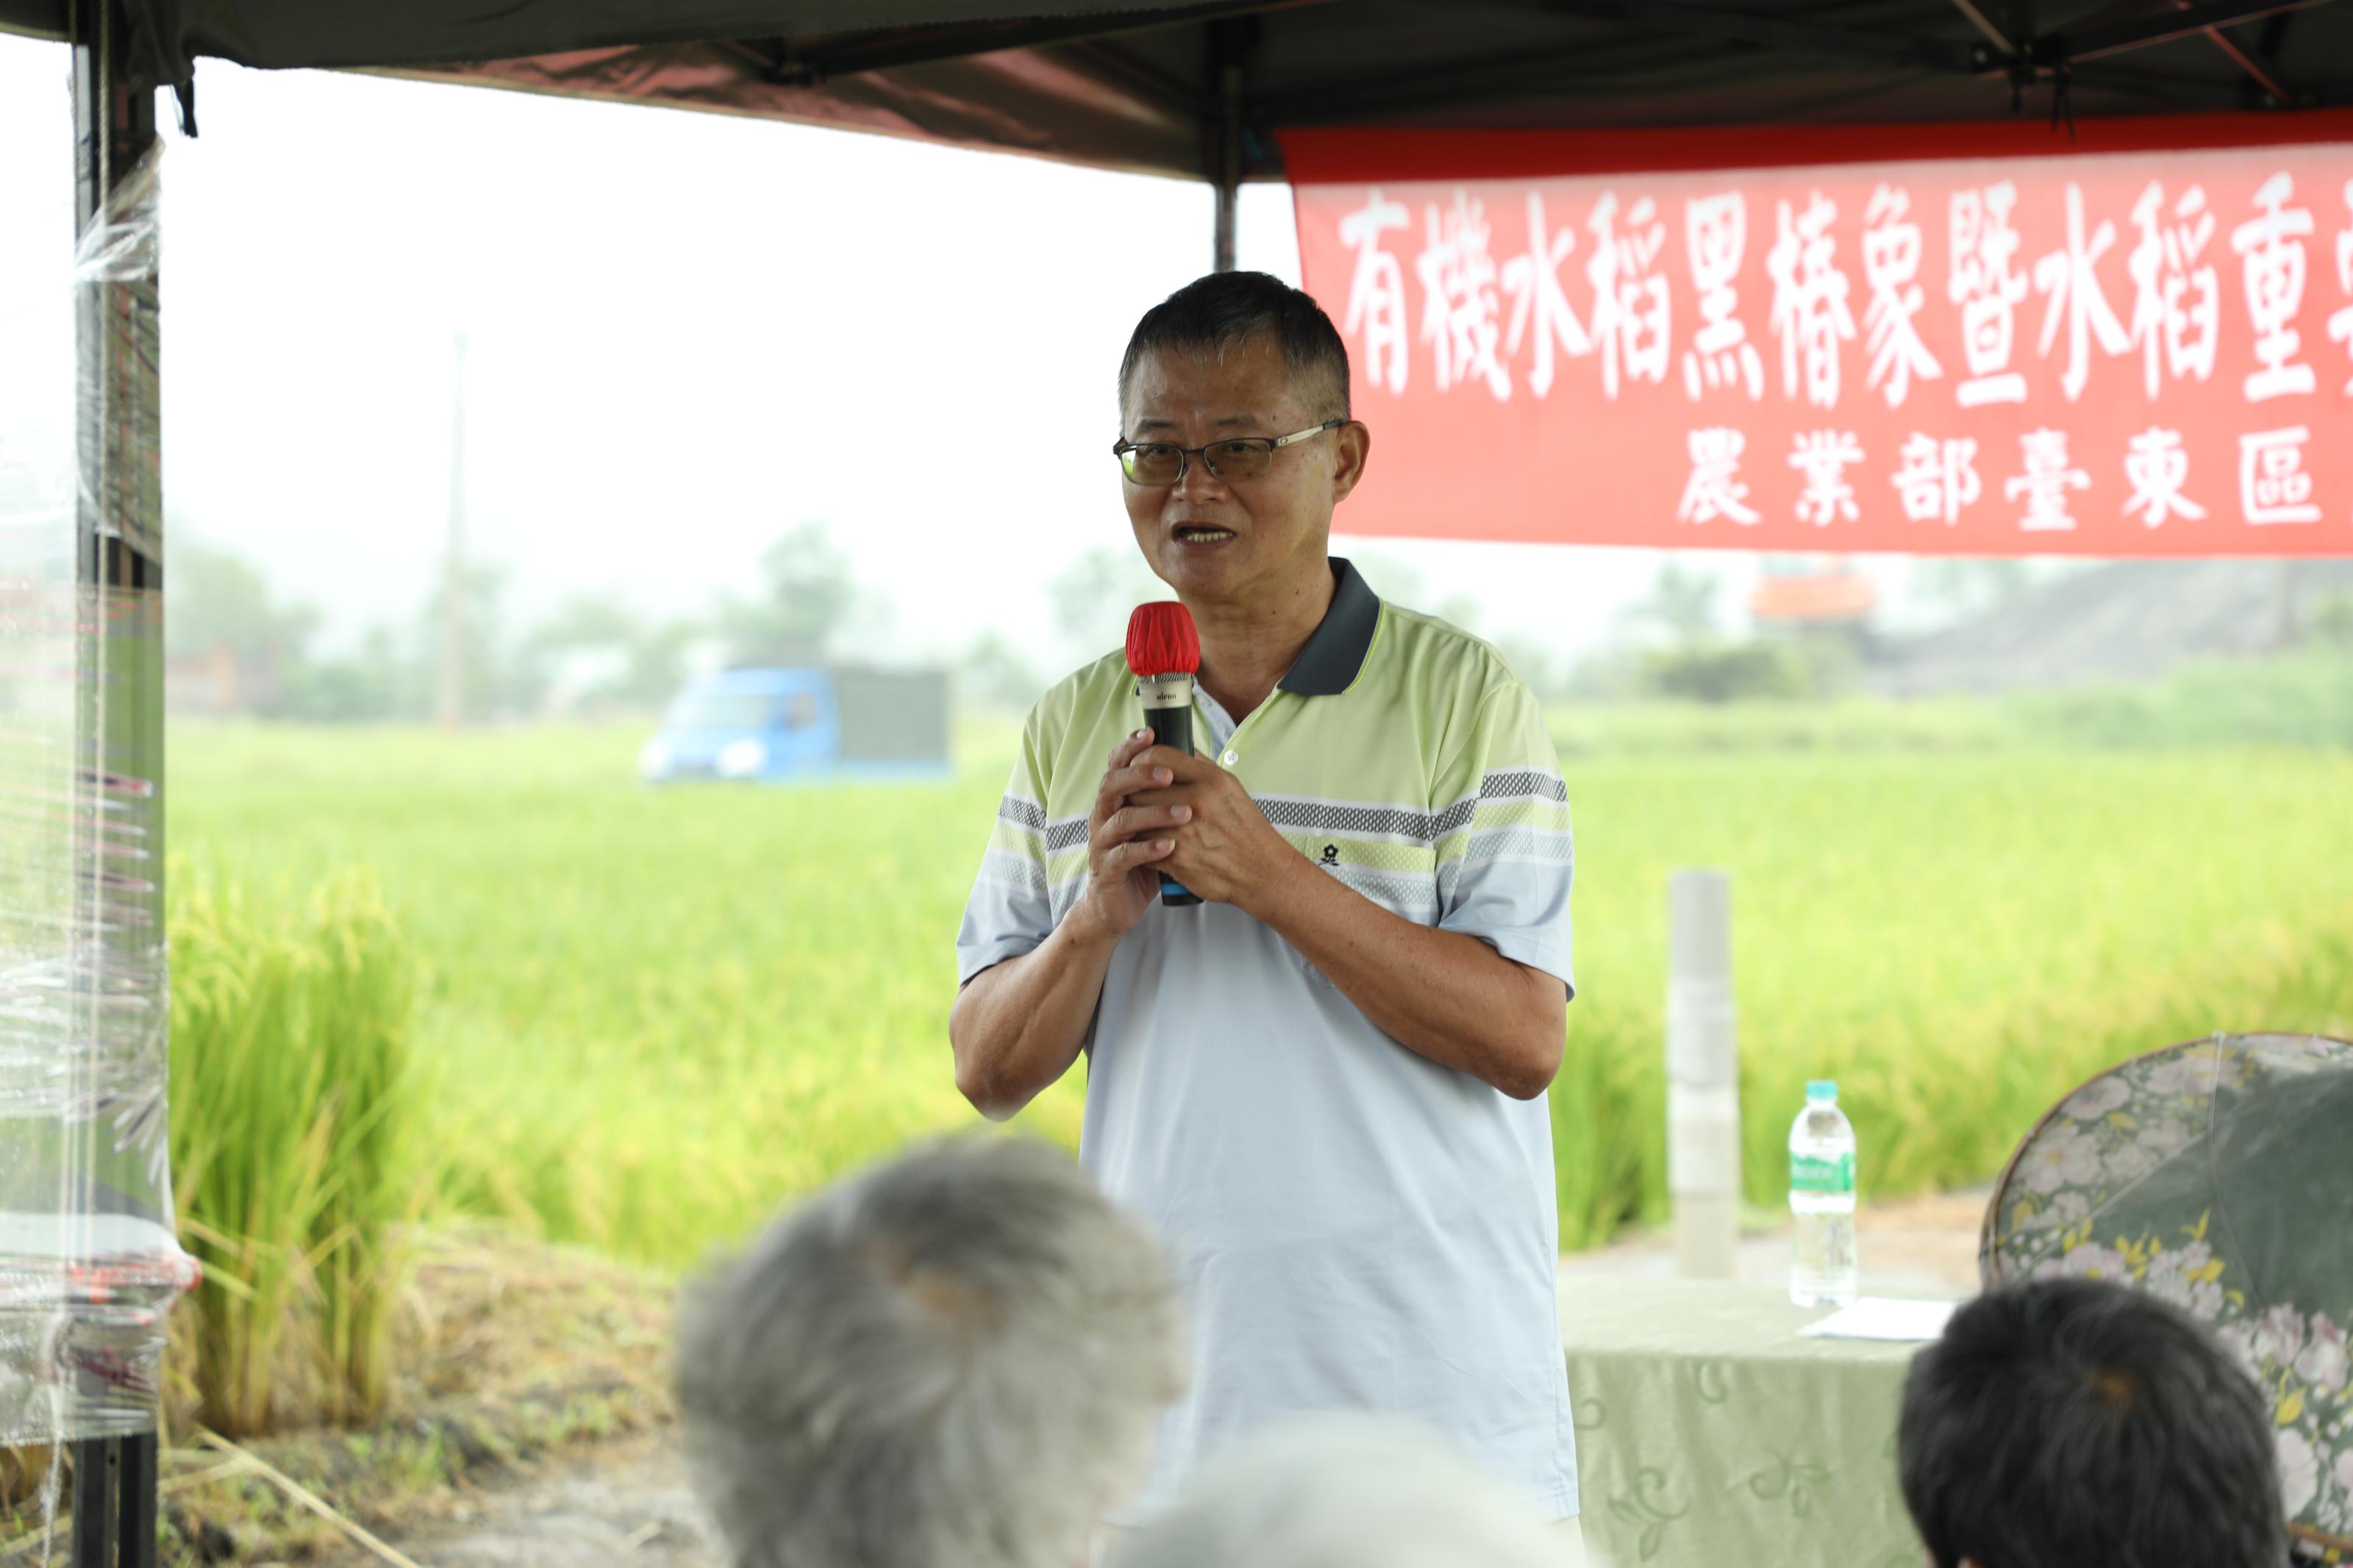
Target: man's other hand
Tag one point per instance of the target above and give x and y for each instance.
(1229, 853)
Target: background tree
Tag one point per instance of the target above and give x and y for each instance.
(1544, 668)
(503, 675)
(1091, 598)
(1958, 588)
(378, 682)
(221, 599)
(1682, 603)
(805, 598)
(600, 653)
(995, 672)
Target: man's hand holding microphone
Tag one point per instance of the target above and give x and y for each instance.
(1166, 825)
(1166, 821)
(1127, 841)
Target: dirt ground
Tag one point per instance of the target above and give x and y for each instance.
(629, 1501)
(626, 1502)
(519, 1364)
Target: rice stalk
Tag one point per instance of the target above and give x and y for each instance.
(292, 1110)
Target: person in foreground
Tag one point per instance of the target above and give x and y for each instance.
(951, 1361)
(1325, 1084)
(1344, 1491)
(2075, 1424)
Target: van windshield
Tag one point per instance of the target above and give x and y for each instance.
(722, 711)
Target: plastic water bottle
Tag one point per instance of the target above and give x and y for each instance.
(1822, 1269)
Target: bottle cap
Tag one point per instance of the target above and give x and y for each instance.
(1822, 1089)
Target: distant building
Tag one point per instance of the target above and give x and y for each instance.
(1800, 592)
(222, 681)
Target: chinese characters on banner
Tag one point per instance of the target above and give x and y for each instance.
(2126, 354)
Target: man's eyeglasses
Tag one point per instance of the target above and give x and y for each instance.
(1160, 464)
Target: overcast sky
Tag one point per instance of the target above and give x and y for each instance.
(687, 332)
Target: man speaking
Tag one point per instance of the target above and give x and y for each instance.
(1324, 1082)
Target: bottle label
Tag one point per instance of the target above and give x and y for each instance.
(1826, 1177)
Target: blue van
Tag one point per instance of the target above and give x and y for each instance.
(779, 725)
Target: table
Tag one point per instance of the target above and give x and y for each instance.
(1709, 1435)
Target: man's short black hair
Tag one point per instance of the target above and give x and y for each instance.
(2075, 1424)
(1223, 310)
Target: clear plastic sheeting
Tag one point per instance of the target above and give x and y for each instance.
(2217, 1175)
(120, 458)
(89, 1262)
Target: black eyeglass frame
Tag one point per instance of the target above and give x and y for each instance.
(1184, 455)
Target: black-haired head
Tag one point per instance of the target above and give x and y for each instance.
(2075, 1424)
(1211, 316)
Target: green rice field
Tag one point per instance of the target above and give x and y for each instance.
(648, 1016)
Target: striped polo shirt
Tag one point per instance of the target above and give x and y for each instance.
(1356, 1226)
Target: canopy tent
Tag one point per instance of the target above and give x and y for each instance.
(1349, 98)
(1158, 88)
(1204, 90)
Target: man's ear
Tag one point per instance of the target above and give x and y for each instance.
(1351, 445)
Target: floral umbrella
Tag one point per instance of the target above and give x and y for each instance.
(2217, 1175)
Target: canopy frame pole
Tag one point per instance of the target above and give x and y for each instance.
(892, 49)
(115, 1478)
(2183, 21)
(1766, 31)
(1229, 45)
(2260, 73)
(1983, 23)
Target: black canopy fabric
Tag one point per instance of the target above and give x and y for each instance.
(1146, 88)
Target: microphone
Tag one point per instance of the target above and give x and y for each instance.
(1163, 651)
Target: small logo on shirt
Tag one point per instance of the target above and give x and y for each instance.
(1331, 853)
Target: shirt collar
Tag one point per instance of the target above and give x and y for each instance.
(1335, 654)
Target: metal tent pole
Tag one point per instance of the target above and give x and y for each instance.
(118, 561)
(135, 1480)
(95, 1461)
(1229, 44)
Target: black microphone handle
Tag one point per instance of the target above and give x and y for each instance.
(1173, 727)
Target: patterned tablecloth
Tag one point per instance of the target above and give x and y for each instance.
(1709, 1435)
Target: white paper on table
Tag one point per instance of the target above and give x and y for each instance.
(1882, 1317)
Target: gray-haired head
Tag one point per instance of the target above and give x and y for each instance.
(954, 1357)
(1211, 316)
(1344, 1491)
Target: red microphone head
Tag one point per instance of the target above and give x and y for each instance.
(1161, 640)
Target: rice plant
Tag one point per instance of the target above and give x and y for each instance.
(294, 1101)
(655, 1015)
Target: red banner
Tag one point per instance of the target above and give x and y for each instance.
(2127, 352)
